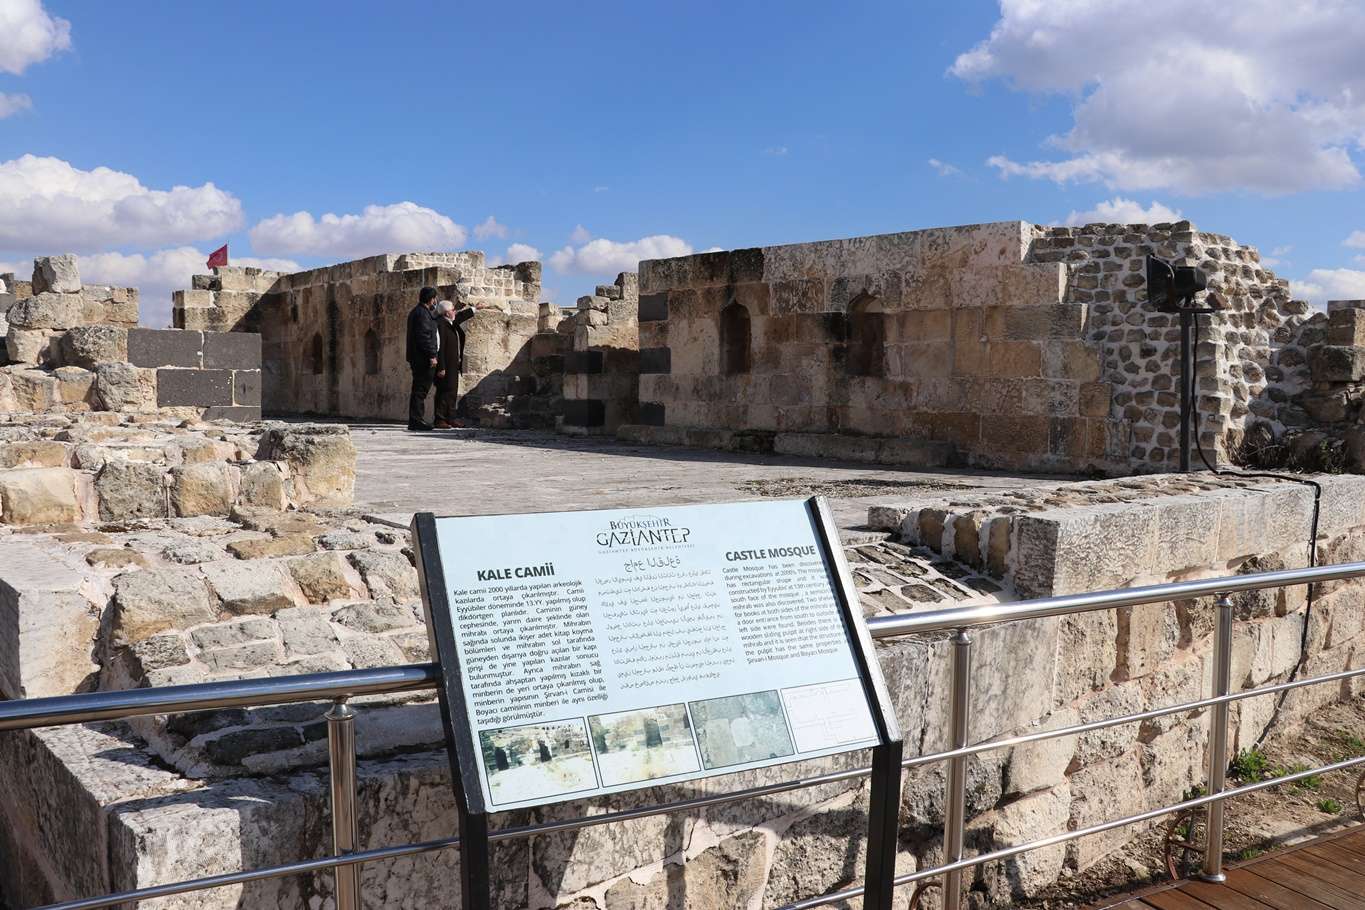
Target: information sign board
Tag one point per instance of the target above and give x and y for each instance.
(604, 651)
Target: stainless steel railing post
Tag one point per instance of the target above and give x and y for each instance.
(955, 803)
(1212, 870)
(345, 833)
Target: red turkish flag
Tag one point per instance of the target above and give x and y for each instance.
(218, 257)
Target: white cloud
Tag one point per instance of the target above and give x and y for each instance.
(489, 227)
(31, 35)
(1124, 211)
(402, 227)
(1323, 285)
(47, 204)
(580, 234)
(943, 168)
(602, 256)
(776, 151)
(1266, 101)
(600, 188)
(13, 104)
(522, 252)
(1356, 240)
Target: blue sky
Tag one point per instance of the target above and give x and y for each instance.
(596, 134)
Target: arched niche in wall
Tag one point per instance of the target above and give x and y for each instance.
(372, 356)
(735, 340)
(866, 336)
(315, 354)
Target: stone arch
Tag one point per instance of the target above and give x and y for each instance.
(315, 354)
(372, 355)
(735, 340)
(866, 336)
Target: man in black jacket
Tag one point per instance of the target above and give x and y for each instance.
(424, 345)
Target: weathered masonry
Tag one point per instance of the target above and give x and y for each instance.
(334, 336)
(73, 347)
(1001, 345)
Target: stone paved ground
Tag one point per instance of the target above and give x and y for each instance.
(489, 471)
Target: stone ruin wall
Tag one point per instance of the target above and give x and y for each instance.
(601, 371)
(73, 348)
(155, 595)
(1001, 345)
(334, 337)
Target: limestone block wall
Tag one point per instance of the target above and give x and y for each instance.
(333, 337)
(601, 373)
(223, 301)
(1085, 667)
(948, 335)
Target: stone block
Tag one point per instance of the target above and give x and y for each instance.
(34, 390)
(74, 387)
(585, 412)
(1094, 399)
(1346, 327)
(321, 463)
(124, 387)
(1022, 434)
(58, 274)
(386, 573)
(263, 547)
(128, 490)
(47, 311)
(1332, 363)
(1014, 359)
(1063, 320)
(30, 346)
(165, 348)
(236, 414)
(1042, 765)
(653, 307)
(90, 345)
(262, 487)
(149, 601)
(655, 360)
(202, 489)
(232, 351)
(39, 496)
(325, 577)
(32, 453)
(253, 587)
(1029, 819)
(193, 388)
(246, 388)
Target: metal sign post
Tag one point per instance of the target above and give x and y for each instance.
(842, 702)
(475, 881)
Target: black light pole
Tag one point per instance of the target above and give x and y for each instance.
(1171, 289)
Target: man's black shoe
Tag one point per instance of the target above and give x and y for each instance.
(419, 428)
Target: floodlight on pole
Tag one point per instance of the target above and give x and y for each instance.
(1171, 289)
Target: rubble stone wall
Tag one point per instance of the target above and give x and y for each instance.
(334, 337)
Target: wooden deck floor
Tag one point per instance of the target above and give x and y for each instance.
(1325, 874)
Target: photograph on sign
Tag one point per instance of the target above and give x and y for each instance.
(611, 650)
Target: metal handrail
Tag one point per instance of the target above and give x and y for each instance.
(339, 686)
(89, 707)
(952, 618)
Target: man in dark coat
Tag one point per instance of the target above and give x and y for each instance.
(450, 361)
(424, 344)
